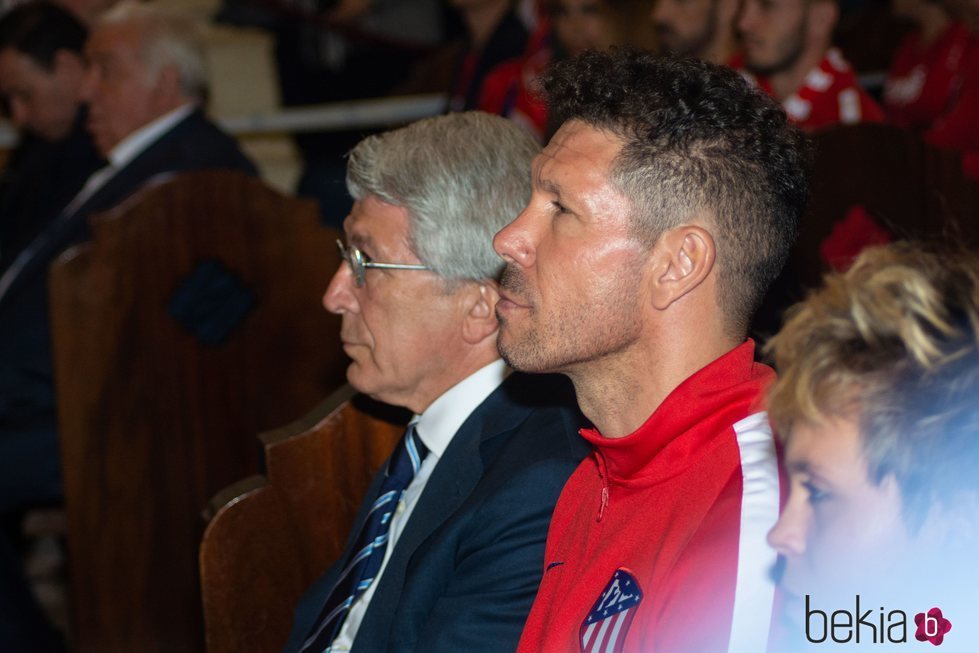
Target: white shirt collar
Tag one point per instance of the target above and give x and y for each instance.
(131, 146)
(440, 421)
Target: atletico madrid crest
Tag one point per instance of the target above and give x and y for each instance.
(606, 625)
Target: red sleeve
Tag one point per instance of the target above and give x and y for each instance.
(901, 66)
(959, 128)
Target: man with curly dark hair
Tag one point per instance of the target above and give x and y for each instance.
(662, 209)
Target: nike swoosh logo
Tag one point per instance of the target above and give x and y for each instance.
(553, 565)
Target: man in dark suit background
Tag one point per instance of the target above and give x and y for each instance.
(145, 85)
(42, 70)
(459, 558)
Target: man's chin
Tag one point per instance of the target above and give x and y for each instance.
(520, 356)
(504, 343)
(355, 378)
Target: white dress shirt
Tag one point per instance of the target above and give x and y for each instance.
(436, 427)
(133, 145)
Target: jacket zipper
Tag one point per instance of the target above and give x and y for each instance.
(602, 473)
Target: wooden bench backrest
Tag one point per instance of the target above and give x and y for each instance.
(189, 322)
(910, 188)
(270, 538)
(913, 189)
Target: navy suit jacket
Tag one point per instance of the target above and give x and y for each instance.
(27, 420)
(467, 566)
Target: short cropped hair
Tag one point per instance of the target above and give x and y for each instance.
(893, 343)
(169, 38)
(461, 177)
(39, 29)
(698, 139)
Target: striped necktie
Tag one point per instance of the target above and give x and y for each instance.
(372, 542)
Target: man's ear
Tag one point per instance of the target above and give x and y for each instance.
(682, 258)
(480, 321)
(168, 85)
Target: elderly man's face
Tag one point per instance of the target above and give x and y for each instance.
(773, 34)
(685, 27)
(41, 101)
(399, 326)
(839, 532)
(570, 292)
(120, 87)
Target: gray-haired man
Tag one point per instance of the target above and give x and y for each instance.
(460, 559)
(144, 87)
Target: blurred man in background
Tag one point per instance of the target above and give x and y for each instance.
(788, 48)
(42, 71)
(145, 87)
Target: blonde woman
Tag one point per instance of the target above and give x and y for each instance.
(877, 404)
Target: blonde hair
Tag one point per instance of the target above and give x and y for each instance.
(894, 343)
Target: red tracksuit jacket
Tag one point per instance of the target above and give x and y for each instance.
(657, 543)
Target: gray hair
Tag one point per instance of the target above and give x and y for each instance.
(169, 38)
(461, 177)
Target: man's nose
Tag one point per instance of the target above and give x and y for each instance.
(513, 242)
(339, 297)
(660, 12)
(746, 17)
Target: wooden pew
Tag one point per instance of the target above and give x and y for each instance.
(911, 189)
(271, 537)
(190, 321)
(914, 189)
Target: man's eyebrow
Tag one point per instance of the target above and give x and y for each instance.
(549, 186)
(361, 241)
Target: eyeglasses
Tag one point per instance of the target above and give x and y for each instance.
(359, 263)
